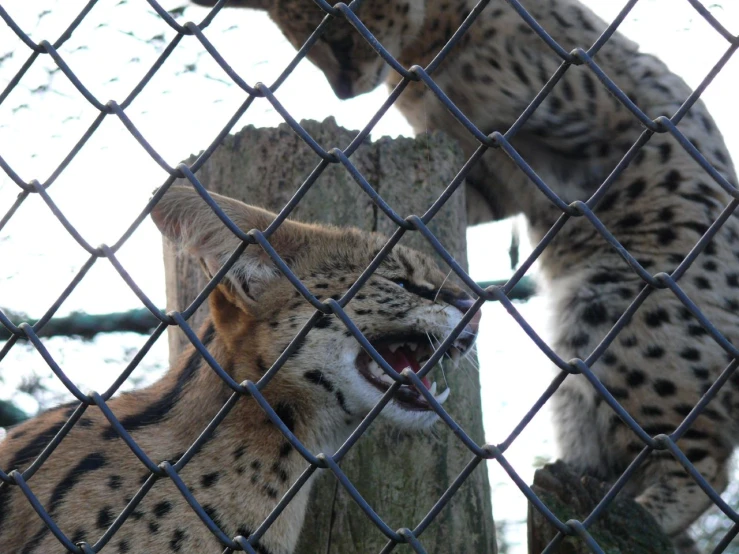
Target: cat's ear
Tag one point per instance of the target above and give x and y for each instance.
(255, 4)
(185, 219)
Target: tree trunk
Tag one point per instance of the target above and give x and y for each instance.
(401, 476)
(625, 527)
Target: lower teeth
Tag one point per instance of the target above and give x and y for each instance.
(443, 396)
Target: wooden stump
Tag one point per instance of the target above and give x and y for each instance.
(400, 475)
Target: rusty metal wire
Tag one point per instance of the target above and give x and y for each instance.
(21, 477)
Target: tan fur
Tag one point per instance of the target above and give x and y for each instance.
(244, 469)
(659, 207)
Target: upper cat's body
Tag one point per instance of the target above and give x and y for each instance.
(658, 208)
(321, 393)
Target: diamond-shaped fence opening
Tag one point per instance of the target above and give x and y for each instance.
(586, 55)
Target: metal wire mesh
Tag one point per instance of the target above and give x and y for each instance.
(22, 477)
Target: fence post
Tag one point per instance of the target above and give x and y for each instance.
(400, 475)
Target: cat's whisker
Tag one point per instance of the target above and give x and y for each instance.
(442, 286)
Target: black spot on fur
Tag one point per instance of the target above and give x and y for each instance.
(114, 482)
(342, 402)
(285, 449)
(520, 73)
(261, 366)
(654, 351)
(636, 188)
(664, 387)
(630, 341)
(631, 220)
(105, 518)
(690, 354)
(153, 527)
(209, 479)
(581, 339)
(732, 279)
(701, 372)
(287, 414)
(695, 455)
(595, 313)
(695, 434)
(123, 546)
(652, 411)
(696, 330)
(666, 236)
(323, 323)
(618, 393)
(609, 200)
(239, 452)
(712, 414)
(657, 317)
(256, 465)
(658, 429)
(666, 214)
(280, 472)
(702, 283)
(317, 377)
(699, 199)
(635, 378)
(161, 509)
(605, 277)
(608, 358)
(672, 181)
(177, 539)
(664, 152)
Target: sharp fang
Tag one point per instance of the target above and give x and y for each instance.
(393, 347)
(443, 396)
(432, 389)
(455, 355)
(376, 370)
(413, 346)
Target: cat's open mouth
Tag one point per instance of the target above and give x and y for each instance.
(400, 353)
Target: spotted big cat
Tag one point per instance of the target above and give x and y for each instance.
(579, 135)
(326, 387)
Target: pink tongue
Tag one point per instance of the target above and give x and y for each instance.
(402, 358)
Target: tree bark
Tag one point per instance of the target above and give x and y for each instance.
(400, 475)
(624, 527)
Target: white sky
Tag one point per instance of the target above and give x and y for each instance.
(180, 112)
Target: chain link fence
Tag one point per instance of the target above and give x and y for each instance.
(584, 55)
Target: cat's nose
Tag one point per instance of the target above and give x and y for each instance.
(464, 305)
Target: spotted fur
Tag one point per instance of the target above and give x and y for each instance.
(658, 208)
(245, 467)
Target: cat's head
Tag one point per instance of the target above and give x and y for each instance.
(350, 64)
(405, 309)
